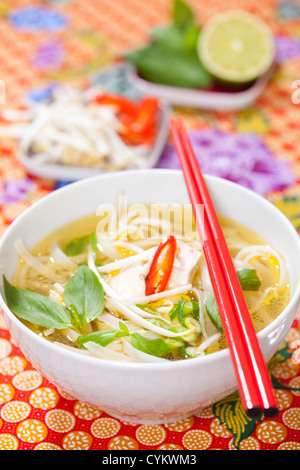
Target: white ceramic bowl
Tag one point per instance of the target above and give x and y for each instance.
(156, 392)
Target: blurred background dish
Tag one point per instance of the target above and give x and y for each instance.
(213, 100)
(222, 65)
(78, 133)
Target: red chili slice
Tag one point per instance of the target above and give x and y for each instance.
(161, 266)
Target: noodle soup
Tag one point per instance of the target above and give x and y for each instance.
(131, 297)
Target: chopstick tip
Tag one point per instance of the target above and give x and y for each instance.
(254, 412)
(271, 412)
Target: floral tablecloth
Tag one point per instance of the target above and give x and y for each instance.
(47, 42)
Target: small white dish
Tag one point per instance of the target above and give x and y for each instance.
(69, 173)
(203, 99)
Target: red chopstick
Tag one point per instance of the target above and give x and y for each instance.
(253, 380)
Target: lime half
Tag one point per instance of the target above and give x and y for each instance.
(236, 46)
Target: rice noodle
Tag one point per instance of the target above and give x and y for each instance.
(29, 259)
(72, 334)
(131, 312)
(105, 353)
(22, 275)
(112, 321)
(140, 356)
(35, 264)
(208, 342)
(200, 298)
(48, 332)
(58, 287)
(159, 295)
(105, 246)
(140, 312)
(206, 283)
(126, 262)
(59, 256)
(264, 250)
(166, 307)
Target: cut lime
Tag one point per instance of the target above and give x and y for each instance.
(236, 46)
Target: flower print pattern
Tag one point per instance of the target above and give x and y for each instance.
(241, 158)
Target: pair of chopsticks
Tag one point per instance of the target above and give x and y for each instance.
(253, 380)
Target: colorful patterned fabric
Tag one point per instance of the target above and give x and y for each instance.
(45, 44)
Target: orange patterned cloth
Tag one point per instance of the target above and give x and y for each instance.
(67, 41)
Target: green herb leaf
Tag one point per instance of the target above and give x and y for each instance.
(123, 327)
(180, 40)
(191, 308)
(249, 279)
(146, 308)
(182, 70)
(93, 242)
(183, 16)
(183, 308)
(76, 246)
(213, 312)
(85, 292)
(36, 308)
(103, 337)
(154, 347)
(77, 321)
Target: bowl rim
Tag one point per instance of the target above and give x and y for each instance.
(145, 366)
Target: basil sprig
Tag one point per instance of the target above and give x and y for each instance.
(104, 337)
(78, 244)
(85, 292)
(175, 44)
(36, 308)
(83, 298)
(155, 347)
(249, 281)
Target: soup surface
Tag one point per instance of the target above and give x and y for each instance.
(139, 289)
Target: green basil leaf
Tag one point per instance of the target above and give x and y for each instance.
(154, 347)
(177, 310)
(183, 41)
(36, 308)
(78, 321)
(123, 327)
(146, 307)
(249, 279)
(213, 312)
(93, 242)
(76, 246)
(85, 292)
(183, 70)
(103, 337)
(171, 37)
(183, 16)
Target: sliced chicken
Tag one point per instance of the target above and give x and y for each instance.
(185, 265)
(130, 282)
